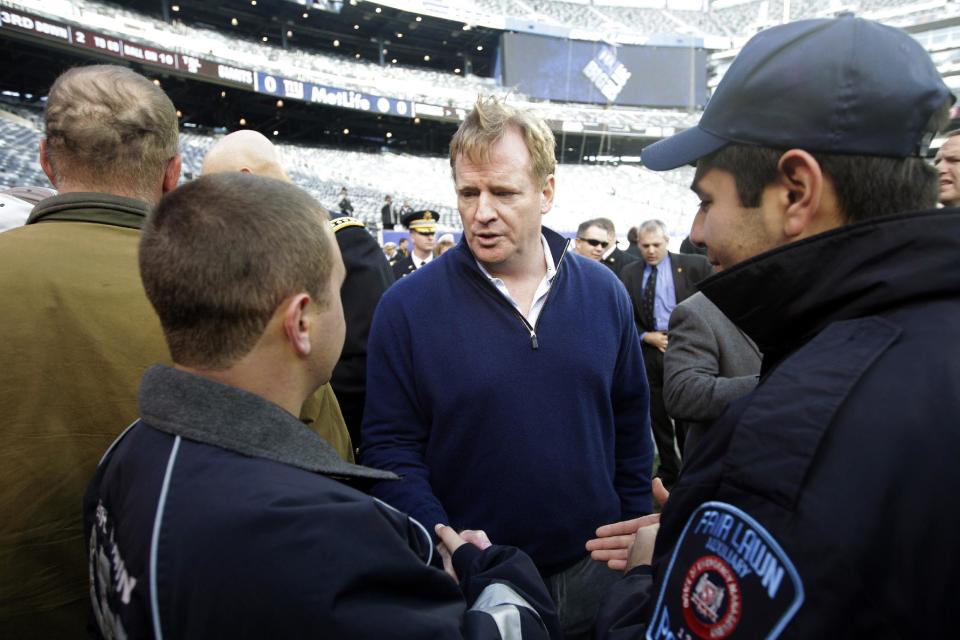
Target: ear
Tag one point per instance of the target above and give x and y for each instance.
(296, 324)
(801, 185)
(171, 174)
(546, 195)
(45, 164)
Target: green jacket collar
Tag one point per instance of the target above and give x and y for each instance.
(100, 208)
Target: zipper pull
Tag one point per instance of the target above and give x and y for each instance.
(533, 340)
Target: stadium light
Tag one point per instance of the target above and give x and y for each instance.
(419, 19)
(279, 104)
(156, 82)
(306, 15)
(264, 38)
(399, 35)
(243, 122)
(457, 70)
(389, 135)
(377, 10)
(253, 2)
(357, 56)
(479, 47)
(179, 113)
(223, 94)
(346, 132)
(466, 27)
(275, 132)
(336, 43)
(175, 7)
(426, 58)
(355, 27)
(393, 61)
(289, 34)
(416, 121)
(234, 21)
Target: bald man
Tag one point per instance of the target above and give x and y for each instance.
(245, 151)
(368, 272)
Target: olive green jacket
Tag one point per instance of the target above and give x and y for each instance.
(76, 334)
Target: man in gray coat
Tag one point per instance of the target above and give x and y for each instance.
(708, 364)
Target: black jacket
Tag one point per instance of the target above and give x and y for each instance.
(842, 464)
(368, 276)
(218, 514)
(617, 260)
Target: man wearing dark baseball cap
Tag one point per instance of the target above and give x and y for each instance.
(822, 504)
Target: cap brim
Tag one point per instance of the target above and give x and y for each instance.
(680, 149)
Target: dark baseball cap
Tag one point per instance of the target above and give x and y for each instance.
(843, 85)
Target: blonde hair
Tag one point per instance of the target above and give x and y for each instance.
(486, 124)
(109, 128)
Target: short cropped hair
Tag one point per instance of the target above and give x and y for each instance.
(606, 224)
(218, 256)
(633, 235)
(486, 124)
(652, 225)
(866, 186)
(109, 128)
(586, 224)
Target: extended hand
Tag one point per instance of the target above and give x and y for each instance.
(450, 541)
(613, 541)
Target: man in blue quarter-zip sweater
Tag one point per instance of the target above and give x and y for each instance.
(535, 427)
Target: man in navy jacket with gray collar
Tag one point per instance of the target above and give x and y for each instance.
(534, 425)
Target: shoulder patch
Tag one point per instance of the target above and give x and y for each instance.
(727, 575)
(345, 222)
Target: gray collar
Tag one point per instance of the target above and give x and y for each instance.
(200, 409)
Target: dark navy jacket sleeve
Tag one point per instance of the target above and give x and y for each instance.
(631, 406)
(392, 592)
(505, 592)
(625, 608)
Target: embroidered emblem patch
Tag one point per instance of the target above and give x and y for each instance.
(727, 575)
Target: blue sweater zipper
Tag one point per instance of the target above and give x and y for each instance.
(487, 286)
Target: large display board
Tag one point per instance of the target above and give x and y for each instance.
(595, 72)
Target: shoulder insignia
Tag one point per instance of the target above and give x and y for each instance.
(727, 574)
(345, 222)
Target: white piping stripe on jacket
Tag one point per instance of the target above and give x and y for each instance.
(116, 440)
(155, 540)
(422, 528)
(500, 602)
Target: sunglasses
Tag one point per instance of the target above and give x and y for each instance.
(595, 243)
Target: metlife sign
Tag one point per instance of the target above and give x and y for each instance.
(104, 44)
(331, 96)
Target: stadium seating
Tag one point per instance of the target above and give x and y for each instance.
(627, 194)
(408, 83)
(19, 140)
